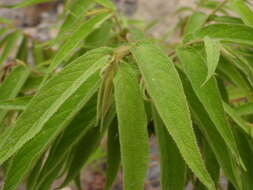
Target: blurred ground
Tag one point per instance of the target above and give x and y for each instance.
(39, 22)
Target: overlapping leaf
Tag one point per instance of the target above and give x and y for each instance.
(165, 88)
(49, 99)
(132, 125)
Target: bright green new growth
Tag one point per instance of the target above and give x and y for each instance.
(99, 89)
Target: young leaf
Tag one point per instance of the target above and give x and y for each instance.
(12, 85)
(212, 48)
(113, 155)
(9, 43)
(195, 22)
(165, 88)
(208, 94)
(49, 99)
(132, 125)
(240, 7)
(234, 33)
(76, 38)
(173, 168)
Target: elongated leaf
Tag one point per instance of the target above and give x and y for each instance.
(71, 136)
(239, 121)
(208, 95)
(76, 38)
(132, 125)
(86, 147)
(31, 151)
(10, 43)
(240, 7)
(76, 9)
(165, 88)
(208, 129)
(26, 3)
(234, 75)
(113, 155)
(106, 3)
(195, 22)
(49, 99)
(15, 104)
(12, 85)
(226, 19)
(173, 167)
(212, 48)
(224, 32)
(245, 109)
(245, 147)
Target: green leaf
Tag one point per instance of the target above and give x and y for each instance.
(245, 109)
(238, 120)
(70, 137)
(12, 84)
(225, 32)
(244, 11)
(210, 132)
(225, 19)
(15, 104)
(76, 38)
(209, 95)
(106, 3)
(75, 10)
(9, 44)
(49, 99)
(212, 48)
(113, 155)
(26, 3)
(234, 75)
(195, 22)
(31, 151)
(173, 167)
(165, 88)
(132, 125)
(85, 149)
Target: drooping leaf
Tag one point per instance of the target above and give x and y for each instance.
(76, 38)
(12, 85)
(239, 121)
(195, 22)
(85, 148)
(75, 10)
(26, 3)
(70, 137)
(234, 75)
(106, 3)
(244, 11)
(212, 48)
(209, 95)
(225, 32)
(165, 88)
(173, 167)
(31, 151)
(113, 155)
(245, 109)
(208, 129)
(132, 125)
(49, 99)
(9, 44)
